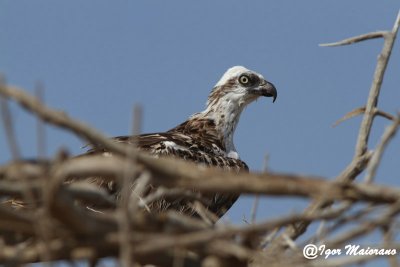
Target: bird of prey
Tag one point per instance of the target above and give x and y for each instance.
(206, 137)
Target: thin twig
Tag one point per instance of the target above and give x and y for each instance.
(256, 202)
(361, 110)
(123, 207)
(40, 127)
(389, 133)
(345, 219)
(8, 124)
(356, 39)
(367, 227)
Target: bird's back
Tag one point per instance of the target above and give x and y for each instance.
(197, 143)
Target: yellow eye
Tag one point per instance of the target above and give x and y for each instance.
(244, 79)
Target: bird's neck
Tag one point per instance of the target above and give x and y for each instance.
(225, 113)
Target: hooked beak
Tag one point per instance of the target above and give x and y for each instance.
(268, 89)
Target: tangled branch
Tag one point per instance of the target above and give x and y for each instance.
(44, 217)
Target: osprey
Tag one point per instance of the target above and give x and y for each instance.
(206, 137)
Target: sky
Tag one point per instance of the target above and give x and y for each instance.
(96, 60)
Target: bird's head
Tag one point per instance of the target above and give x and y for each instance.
(237, 88)
(242, 86)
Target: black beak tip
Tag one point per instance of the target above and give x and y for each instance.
(271, 91)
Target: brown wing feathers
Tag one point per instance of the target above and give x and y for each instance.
(195, 141)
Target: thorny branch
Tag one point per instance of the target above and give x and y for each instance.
(361, 156)
(60, 220)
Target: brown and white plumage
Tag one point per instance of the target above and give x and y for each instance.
(207, 137)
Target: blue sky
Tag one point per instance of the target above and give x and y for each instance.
(96, 60)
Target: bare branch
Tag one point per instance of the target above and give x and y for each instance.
(123, 207)
(8, 125)
(383, 59)
(175, 173)
(356, 39)
(361, 110)
(362, 155)
(60, 119)
(367, 227)
(40, 127)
